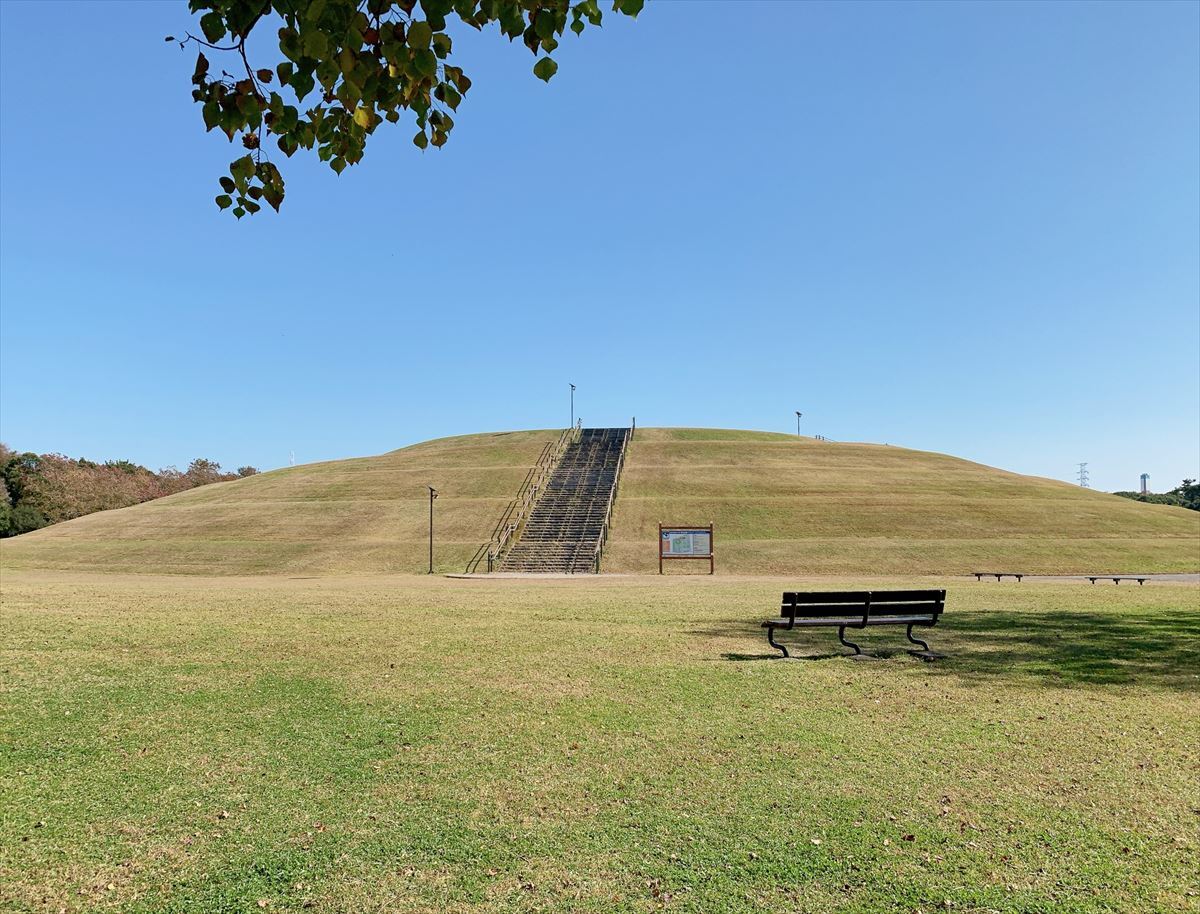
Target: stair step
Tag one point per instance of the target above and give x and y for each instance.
(563, 531)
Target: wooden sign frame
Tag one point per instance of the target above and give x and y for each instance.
(687, 528)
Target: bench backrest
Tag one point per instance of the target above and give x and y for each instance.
(861, 604)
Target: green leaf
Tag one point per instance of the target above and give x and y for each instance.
(224, 201)
(338, 164)
(545, 68)
(242, 168)
(227, 184)
(425, 62)
(239, 212)
(543, 23)
(302, 84)
(421, 140)
(631, 7)
(213, 26)
(419, 34)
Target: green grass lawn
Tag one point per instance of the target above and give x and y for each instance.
(388, 743)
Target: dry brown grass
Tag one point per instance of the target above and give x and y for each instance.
(781, 505)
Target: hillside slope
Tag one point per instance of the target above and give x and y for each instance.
(781, 505)
(368, 514)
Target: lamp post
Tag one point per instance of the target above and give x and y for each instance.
(433, 493)
(572, 406)
(798, 415)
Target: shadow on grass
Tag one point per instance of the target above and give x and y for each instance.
(1159, 649)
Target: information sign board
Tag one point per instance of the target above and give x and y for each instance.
(685, 542)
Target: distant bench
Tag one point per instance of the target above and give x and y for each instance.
(980, 575)
(844, 610)
(1116, 579)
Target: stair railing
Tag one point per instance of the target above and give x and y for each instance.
(518, 509)
(612, 496)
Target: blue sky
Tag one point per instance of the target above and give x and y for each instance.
(970, 228)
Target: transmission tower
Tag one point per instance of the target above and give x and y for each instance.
(1083, 475)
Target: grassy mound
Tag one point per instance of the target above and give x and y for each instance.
(368, 514)
(781, 505)
(787, 505)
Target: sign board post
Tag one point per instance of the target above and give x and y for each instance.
(680, 542)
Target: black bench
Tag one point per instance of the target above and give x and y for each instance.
(980, 575)
(1116, 579)
(843, 610)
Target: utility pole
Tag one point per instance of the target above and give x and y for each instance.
(1082, 473)
(572, 406)
(798, 415)
(433, 493)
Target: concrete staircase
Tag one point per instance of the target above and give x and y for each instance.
(569, 521)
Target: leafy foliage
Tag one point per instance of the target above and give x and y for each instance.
(1184, 495)
(355, 64)
(41, 489)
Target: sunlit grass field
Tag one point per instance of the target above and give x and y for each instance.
(391, 743)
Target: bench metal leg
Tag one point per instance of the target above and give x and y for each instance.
(842, 638)
(771, 641)
(924, 646)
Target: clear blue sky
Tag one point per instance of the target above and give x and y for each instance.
(968, 228)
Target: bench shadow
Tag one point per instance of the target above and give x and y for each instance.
(775, 655)
(1159, 649)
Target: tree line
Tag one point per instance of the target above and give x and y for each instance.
(41, 489)
(1185, 495)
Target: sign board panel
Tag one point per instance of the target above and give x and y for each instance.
(685, 542)
(694, 543)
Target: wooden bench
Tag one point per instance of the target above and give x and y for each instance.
(980, 575)
(1116, 579)
(843, 610)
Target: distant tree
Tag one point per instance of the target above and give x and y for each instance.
(1185, 495)
(243, 472)
(1188, 493)
(201, 471)
(40, 489)
(19, 472)
(24, 519)
(360, 63)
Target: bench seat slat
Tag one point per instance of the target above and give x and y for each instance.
(850, 621)
(876, 609)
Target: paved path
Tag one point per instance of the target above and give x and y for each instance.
(1107, 578)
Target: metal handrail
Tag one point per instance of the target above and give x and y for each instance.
(517, 510)
(612, 496)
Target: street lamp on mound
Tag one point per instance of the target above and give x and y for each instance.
(433, 493)
(798, 415)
